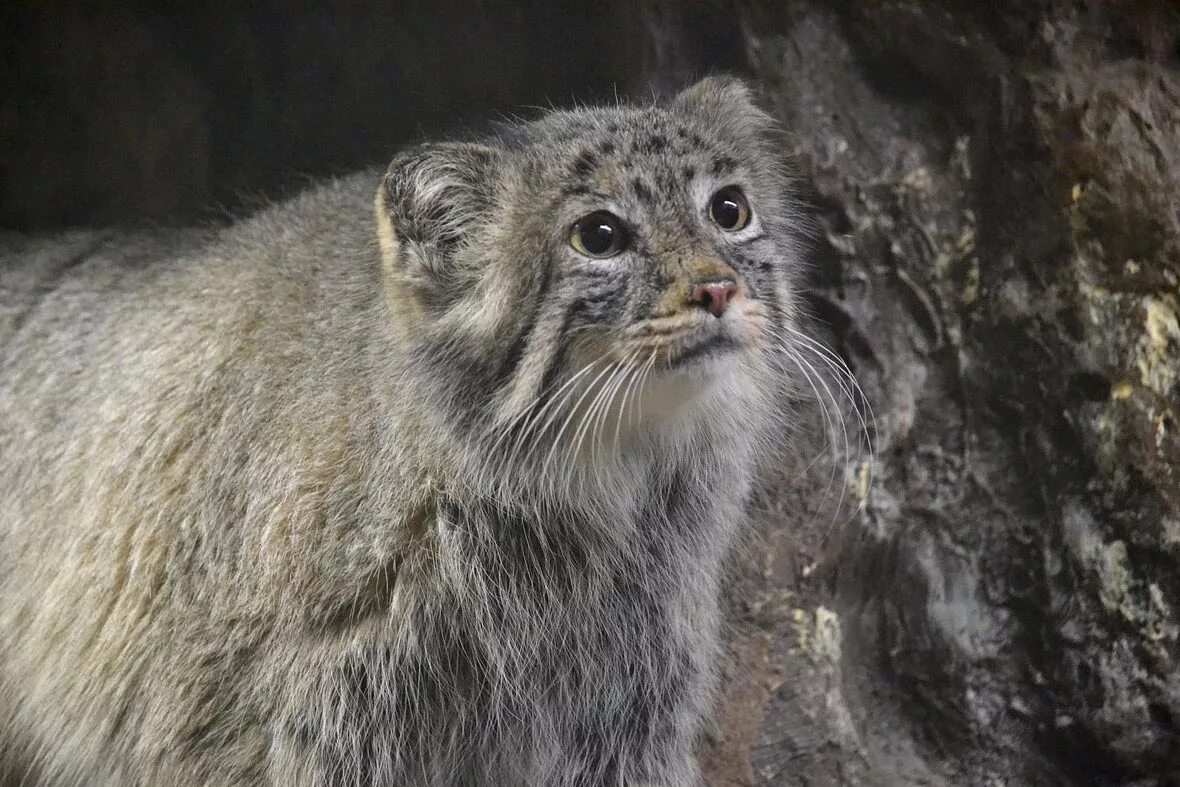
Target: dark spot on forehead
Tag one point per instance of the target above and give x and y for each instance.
(696, 140)
(722, 165)
(690, 172)
(642, 192)
(655, 143)
(680, 132)
(613, 128)
(585, 163)
(606, 148)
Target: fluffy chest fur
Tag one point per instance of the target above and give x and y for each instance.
(547, 654)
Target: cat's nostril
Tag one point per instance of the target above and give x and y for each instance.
(713, 295)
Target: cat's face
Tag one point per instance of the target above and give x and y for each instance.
(596, 269)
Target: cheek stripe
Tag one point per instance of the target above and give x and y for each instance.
(557, 360)
(515, 352)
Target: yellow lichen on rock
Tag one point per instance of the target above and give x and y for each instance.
(1159, 352)
(1122, 390)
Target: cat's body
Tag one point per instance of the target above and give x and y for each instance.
(276, 508)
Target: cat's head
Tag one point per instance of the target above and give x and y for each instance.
(596, 281)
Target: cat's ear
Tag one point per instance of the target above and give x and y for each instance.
(718, 91)
(429, 201)
(724, 99)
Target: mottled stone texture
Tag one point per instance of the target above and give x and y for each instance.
(997, 257)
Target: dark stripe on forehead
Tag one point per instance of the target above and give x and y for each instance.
(585, 164)
(576, 190)
(583, 190)
(723, 165)
(655, 143)
(642, 191)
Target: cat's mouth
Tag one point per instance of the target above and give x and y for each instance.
(701, 349)
(689, 346)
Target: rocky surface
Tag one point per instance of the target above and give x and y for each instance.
(989, 597)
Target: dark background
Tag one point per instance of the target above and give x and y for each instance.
(133, 111)
(998, 190)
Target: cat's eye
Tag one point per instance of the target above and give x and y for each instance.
(599, 235)
(729, 209)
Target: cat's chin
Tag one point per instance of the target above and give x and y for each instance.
(695, 380)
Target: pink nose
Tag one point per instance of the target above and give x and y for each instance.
(713, 295)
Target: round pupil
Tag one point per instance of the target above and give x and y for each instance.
(726, 210)
(597, 236)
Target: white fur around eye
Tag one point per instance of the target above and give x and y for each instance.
(703, 190)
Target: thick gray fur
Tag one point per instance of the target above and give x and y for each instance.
(394, 489)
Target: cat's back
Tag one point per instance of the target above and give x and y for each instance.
(116, 347)
(103, 302)
(41, 278)
(48, 281)
(162, 393)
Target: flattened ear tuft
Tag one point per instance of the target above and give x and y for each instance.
(724, 99)
(429, 199)
(717, 91)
